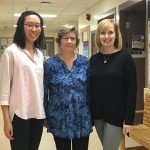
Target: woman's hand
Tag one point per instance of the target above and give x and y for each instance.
(126, 129)
(8, 130)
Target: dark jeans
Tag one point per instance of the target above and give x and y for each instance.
(27, 133)
(77, 144)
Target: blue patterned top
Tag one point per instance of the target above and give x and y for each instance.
(66, 98)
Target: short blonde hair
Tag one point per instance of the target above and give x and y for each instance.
(101, 27)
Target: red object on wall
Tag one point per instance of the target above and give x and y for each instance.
(88, 17)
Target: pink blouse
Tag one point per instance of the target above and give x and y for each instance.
(21, 83)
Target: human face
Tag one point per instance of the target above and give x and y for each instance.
(108, 36)
(68, 42)
(32, 28)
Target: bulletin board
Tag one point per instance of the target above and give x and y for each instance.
(85, 41)
(93, 46)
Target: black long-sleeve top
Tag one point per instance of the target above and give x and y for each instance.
(113, 88)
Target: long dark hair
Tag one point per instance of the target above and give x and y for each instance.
(19, 36)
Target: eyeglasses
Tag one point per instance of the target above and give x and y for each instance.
(31, 26)
(72, 39)
(110, 33)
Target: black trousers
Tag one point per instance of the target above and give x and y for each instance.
(77, 144)
(27, 133)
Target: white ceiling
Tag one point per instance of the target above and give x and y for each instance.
(67, 11)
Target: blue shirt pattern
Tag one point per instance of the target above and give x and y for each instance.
(66, 99)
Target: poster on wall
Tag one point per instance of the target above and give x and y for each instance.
(86, 48)
(9, 41)
(93, 46)
(3, 41)
(84, 45)
(138, 42)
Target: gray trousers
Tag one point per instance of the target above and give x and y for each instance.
(110, 135)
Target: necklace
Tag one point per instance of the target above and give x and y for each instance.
(105, 58)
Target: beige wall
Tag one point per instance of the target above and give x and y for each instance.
(10, 32)
(99, 9)
(6, 32)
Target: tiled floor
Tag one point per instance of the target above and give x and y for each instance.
(47, 142)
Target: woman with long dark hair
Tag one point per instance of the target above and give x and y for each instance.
(21, 88)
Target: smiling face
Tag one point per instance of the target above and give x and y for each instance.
(32, 28)
(68, 42)
(107, 36)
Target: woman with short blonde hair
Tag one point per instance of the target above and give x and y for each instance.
(112, 86)
(101, 27)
